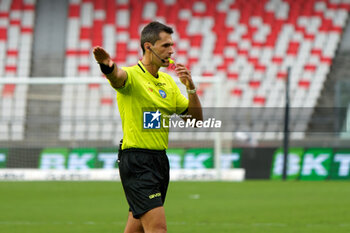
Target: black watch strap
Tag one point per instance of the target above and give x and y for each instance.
(106, 69)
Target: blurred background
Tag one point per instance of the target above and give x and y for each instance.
(57, 112)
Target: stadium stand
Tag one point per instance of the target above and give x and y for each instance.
(249, 44)
(16, 37)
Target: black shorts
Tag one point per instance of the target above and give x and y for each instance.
(145, 178)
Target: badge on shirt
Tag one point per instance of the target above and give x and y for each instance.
(162, 93)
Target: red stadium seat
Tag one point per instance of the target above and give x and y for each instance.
(304, 84)
(106, 101)
(8, 90)
(259, 100)
(237, 92)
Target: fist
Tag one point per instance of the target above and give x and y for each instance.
(184, 75)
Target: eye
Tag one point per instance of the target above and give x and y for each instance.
(167, 45)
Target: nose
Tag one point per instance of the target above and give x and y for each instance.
(171, 51)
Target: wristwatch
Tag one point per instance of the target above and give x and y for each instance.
(193, 91)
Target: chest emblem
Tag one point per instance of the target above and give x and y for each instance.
(162, 93)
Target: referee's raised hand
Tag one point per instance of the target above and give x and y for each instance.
(117, 77)
(102, 57)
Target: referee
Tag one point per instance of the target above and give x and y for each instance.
(144, 94)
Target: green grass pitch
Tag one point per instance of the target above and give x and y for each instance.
(191, 207)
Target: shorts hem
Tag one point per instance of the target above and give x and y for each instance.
(138, 215)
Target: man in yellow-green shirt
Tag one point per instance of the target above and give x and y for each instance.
(145, 95)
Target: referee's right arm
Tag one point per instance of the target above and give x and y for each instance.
(116, 77)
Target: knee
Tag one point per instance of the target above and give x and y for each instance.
(158, 228)
(161, 229)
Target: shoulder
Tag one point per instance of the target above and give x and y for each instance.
(130, 69)
(133, 71)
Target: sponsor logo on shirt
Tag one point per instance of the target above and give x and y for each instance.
(160, 84)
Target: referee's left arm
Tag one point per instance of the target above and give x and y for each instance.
(194, 104)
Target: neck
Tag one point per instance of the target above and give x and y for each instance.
(150, 67)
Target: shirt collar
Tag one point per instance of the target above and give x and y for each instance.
(144, 70)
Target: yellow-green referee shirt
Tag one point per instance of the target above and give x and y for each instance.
(143, 102)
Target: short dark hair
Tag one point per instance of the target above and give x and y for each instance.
(150, 33)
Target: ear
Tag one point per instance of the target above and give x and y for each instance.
(147, 45)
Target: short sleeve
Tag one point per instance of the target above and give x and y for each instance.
(128, 82)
